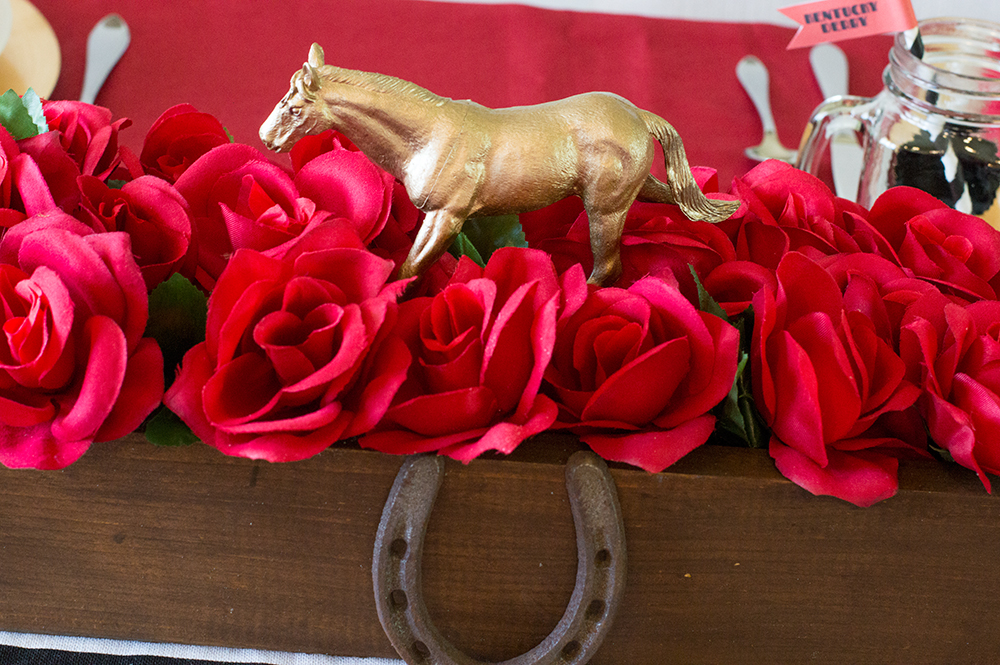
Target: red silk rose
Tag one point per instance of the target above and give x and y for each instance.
(311, 146)
(88, 135)
(238, 199)
(152, 212)
(177, 139)
(296, 353)
(646, 362)
(331, 171)
(23, 189)
(75, 368)
(952, 350)
(951, 249)
(49, 179)
(827, 379)
(790, 210)
(479, 349)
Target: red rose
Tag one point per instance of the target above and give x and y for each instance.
(733, 284)
(153, 214)
(88, 134)
(177, 139)
(934, 242)
(23, 190)
(75, 368)
(790, 210)
(311, 146)
(479, 349)
(296, 353)
(238, 199)
(644, 361)
(952, 351)
(51, 174)
(825, 378)
(331, 171)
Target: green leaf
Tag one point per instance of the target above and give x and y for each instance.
(165, 428)
(489, 234)
(737, 415)
(16, 118)
(706, 302)
(462, 246)
(113, 183)
(178, 312)
(33, 104)
(231, 139)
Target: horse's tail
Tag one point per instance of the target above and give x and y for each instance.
(680, 188)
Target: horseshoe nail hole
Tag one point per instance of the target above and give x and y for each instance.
(421, 651)
(571, 650)
(595, 611)
(602, 558)
(397, 548)
(397, 598)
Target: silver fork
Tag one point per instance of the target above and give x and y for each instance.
(753, 76)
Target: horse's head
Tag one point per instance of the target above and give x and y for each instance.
(298, 113)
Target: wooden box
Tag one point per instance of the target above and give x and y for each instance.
(728, 561)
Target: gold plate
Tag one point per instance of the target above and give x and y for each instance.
(32, 58)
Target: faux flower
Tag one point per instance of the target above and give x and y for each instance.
(635, 372)
(297, 353)
(47, 175)
(790, 210)
(154, 215)
(826, 375)
(177, 139)
(22, 185)
(240, 200)
(952, 249)
(87, 133)
(479, 349)
(331, 171)
(75, 368)
(953, 352)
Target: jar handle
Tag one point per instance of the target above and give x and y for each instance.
(835, 115)
(600, 575)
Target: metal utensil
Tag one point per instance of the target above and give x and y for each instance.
(829, 65)
(754, 78)
(106, 44)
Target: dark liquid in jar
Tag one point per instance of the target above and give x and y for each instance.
(973, 167)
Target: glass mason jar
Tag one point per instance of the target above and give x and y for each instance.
(935, 125)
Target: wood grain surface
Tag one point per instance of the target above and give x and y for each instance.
(728, 562)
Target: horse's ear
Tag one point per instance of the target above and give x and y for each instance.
(316, 55)
(310, 77)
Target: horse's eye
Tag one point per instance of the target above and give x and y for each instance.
(296, 111)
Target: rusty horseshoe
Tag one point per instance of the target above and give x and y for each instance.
(600, 574)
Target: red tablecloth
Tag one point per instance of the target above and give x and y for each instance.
(234, 60)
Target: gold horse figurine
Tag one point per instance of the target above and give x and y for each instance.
(458, 159)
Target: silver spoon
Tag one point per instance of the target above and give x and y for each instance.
(105, 46)
(754, 78)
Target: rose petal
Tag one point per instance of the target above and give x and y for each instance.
(105, 351)
(863, 478)
(655, 450)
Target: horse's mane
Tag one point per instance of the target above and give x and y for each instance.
(377, 83)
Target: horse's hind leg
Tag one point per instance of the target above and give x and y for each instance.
(605, 242)
(436, 234)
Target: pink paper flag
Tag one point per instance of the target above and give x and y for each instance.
(835, 20)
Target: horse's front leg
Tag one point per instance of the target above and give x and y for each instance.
(436, 234)
(605, 243)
